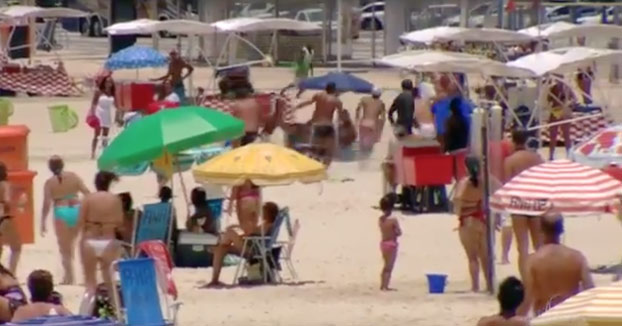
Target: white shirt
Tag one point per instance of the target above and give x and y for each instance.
(172, 97)
(426, 90)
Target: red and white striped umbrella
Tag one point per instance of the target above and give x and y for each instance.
(568, 187)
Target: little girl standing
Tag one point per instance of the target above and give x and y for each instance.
(390, 231)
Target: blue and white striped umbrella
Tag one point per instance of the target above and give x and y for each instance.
(135, 57)
(65, 321)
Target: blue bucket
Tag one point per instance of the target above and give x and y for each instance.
(436, 283)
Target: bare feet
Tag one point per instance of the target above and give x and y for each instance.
(67, 281)
(213, 285)
(388, 289)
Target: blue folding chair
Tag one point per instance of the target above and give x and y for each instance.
(262, 248)
(156, 223)
(65, 321)
(139, 303)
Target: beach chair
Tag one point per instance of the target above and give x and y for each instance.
(138, 302)
(156, 223)
(263, 249)
(288, 248)
(157, 250)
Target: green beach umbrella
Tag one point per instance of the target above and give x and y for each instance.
(169, 131)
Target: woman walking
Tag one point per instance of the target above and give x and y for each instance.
(103, 106)
(61, 191)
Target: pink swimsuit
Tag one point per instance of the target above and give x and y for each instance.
(386, 245)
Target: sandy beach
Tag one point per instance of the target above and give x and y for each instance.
(337, 253)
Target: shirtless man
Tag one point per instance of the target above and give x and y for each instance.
(554, 272)
(176, 66)
(41, 287)
(424, 117)
(511, 295)
(247, 109)
(372, 120)
(522, 159)
(323, 130)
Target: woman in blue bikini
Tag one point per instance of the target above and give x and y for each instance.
(61, 191)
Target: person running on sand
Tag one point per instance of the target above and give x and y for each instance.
(176, 66)
(11, 295)
(247, 109)
(101, 215)
(8, 230)
(524, 226)
(232, 240)
(61, 191)
(389, 232)
(472, 230)
(41, 287)
(510, 297)
(371, 121)
(554, 272)
(322, 128)
(103, 106)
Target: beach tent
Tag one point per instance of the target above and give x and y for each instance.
(149, 26)
(565, 60)
(460, 34)
(20, 12)
(245, 25)
(567, 30)
(600, 306)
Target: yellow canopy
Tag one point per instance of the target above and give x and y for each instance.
(601, 306)
(264, 164)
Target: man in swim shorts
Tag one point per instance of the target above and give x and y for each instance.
(322, 128)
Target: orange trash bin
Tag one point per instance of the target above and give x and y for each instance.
(14, 147)
(23, 208)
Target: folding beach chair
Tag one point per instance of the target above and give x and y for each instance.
(157, 250)
(288, 248)
(139, 302)
(156, 223)
(263, 250)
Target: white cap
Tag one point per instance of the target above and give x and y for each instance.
(376, 91)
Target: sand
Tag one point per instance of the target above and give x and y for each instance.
(337, 255)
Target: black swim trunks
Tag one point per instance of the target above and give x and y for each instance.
(323, 131)
(249, 138)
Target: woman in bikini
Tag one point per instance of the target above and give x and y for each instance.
(11, 295)
(61, 191)
(247, 201)
(472, 230)
(101, 216)
(390, 231)
(8, 229)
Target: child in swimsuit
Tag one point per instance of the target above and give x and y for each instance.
(390, 231)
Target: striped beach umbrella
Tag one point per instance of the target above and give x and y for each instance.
(601, 306)
(568, 187)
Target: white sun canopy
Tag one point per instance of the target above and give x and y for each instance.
(444, 34)
(19, 12)
(565, 60)
(565, 30)
(149, 26)
(440, 61)
(241, 25)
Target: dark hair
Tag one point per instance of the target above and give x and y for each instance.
(472, 165)
(519, 137)
(552, 225)
(331, 88)
(102, 85)
(270, 211)
(387, 202)
(56, 165)
(165, 194)
(103, 180)
(511, 294)
(198, 197)
(407, 84)
(454, 106)
(126, 201)
(3, 172)
(40, 285)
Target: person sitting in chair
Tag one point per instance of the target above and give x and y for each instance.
(232, 240)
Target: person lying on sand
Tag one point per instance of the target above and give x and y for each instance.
(390, 231)
(554, 272)
(511, 295)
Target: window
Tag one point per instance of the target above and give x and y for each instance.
(315, 16)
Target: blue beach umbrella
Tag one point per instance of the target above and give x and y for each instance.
(345, 83)
(135, 57)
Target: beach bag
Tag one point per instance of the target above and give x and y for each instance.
(92, 121)
(6, 111)
(62, 118)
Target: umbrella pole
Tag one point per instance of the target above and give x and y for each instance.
(490, 226)
(181, 180)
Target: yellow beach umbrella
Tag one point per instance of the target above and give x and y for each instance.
(264, 164)
(601, 306)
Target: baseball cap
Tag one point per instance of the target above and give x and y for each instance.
(376, 91)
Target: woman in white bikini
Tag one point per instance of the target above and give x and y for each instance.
(8, 230)
(101, 215)
(61, 190)
(103, 106)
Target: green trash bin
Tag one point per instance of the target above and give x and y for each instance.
(62, 118)
(6, 110)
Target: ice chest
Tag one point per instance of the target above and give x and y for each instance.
(194, 249)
